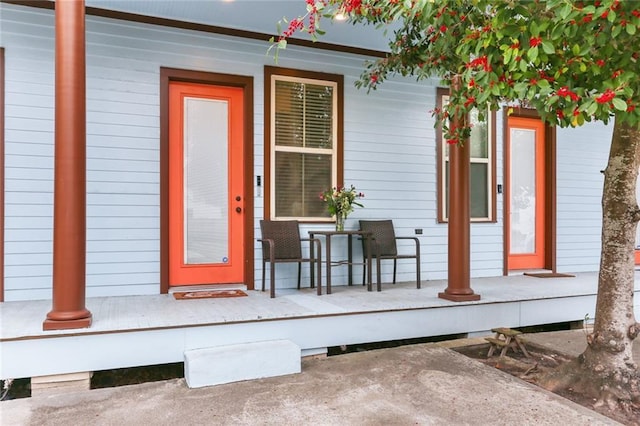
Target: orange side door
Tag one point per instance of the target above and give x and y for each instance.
(525, 194)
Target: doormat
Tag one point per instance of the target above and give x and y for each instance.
(548, 275)
(210, 294)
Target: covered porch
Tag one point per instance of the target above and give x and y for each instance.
(133, 331)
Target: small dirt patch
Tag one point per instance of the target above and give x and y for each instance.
(541, 360)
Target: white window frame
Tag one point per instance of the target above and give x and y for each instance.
(303, 150)
(489, 161)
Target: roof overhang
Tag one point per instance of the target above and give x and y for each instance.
(255, 19)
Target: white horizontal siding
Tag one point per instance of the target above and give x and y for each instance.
(25, 234)
(122, 234)
(36, 125)
(123, 211)
(121, 165)
(104, 246)
(581, 154)
(115, 141)
(27, 259)
(29, 156)
(131, 187)
(21, 247)
(107, 199)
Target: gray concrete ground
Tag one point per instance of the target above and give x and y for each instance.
(571, 342)
(426, 384)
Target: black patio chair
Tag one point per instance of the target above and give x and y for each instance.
(383, 246)
(281, 243)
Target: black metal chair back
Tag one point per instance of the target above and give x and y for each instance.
(286, 235)
(383, 245)
(281, 243)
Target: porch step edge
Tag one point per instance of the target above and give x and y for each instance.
(208, 287)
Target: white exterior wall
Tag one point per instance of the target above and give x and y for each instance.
(581, 154)
(390, 155)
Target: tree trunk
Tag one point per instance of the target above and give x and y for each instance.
(606, 370)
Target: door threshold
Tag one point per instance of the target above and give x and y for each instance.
(515, 272)
(207, 287)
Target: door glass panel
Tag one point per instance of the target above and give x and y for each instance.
(522, 200)
(205, 181)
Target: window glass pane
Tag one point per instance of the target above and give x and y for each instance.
(304, 115)
(300, 178)
(479, 136)
(289, 113)
(318, 114)
(479, 186)
(479, 203)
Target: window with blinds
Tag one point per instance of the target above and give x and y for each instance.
(482, 167)
(303, 148)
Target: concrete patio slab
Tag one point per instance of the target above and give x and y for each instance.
(421, 384)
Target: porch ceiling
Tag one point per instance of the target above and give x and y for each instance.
(249, 15)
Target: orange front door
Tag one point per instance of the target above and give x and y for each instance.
(206, 184)
(525, 194)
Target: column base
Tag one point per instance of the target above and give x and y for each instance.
(459, 297)
(49, 324)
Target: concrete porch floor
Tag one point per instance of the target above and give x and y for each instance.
(157, 329)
